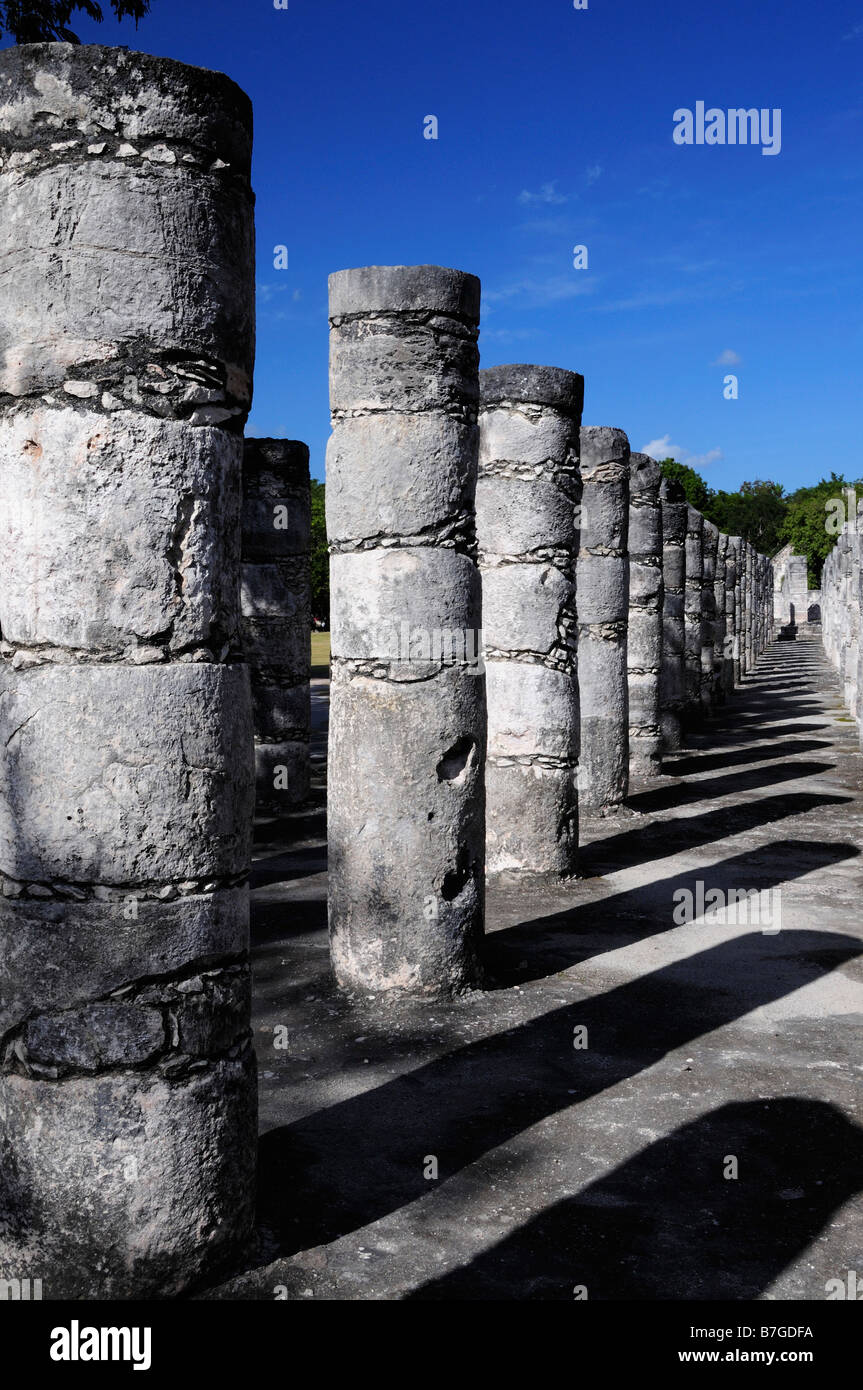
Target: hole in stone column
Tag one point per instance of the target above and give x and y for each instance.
(453, 883)
(454, 763)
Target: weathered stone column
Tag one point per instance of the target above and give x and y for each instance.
(739, 607)
(127, 1082)
(408, 707)
(750, 606)
(644, 637)
(730, 646)
(602, 599)
(709, 545)
(693, 619)
(852, 641)
(673, 677)
(528, 489)
(277, 620)
(720, 599)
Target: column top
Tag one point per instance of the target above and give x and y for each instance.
(404, 289)
(645, 476)
(66, 91)
(605, 448)
(552, 386)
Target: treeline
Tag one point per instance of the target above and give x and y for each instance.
(769, 518)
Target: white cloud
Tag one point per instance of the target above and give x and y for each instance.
(593, 173)
(547, 194)
(855, 32)
(664, 449)
(536, 293)
(728, 358)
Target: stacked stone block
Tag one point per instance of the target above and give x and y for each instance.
(710, 544)
(408, 708)
(673, 675)
(276, 609)
(602, 595)
(127, 1083)
(693, 611)
(527, 493)
(841, 600)
(720, 599)
(644, 637)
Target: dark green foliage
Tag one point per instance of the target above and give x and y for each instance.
(47, 21)
(812, 526)
(762, 514)
(320, 563)
(695, 488)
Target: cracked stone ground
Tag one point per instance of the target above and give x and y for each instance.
(599, 1168)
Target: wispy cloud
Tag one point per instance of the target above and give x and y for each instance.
(508, 335)
(593, 173)
(537, 293)
(547, 194)
(728, 358)
(267, 291)
(855, 32)
(664, 449)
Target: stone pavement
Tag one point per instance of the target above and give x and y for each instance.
(564, 1168)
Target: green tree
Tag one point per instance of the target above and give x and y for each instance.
(756, 512)
(320, 560)
(695, 488)
(806, 521)
(45, 21)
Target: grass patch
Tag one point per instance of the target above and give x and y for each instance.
(321, 654)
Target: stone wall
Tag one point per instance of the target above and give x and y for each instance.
(841, 602)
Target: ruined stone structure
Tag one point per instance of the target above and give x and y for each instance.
(602, 598)
(644, 637)
(276, 609)
(148, 558)
(672, 684)
(718, 613)
(791, 592)
(527, 493)
(127, 1089)
(408, 707)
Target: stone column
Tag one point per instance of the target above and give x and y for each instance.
(739, 607)
(127, 1082)
(730, 644)
(602, 598)
(720, 600)
(528, 489)
(644, 637)
(693, 620)
(853, 618)
(277, 620)
(750, 606)
(709, 545)
(673, 676)
(408, 705)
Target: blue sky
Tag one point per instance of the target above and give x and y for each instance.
(555, 130)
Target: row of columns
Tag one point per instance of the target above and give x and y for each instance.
(841, 604)
(143, 572)
(614, 616)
